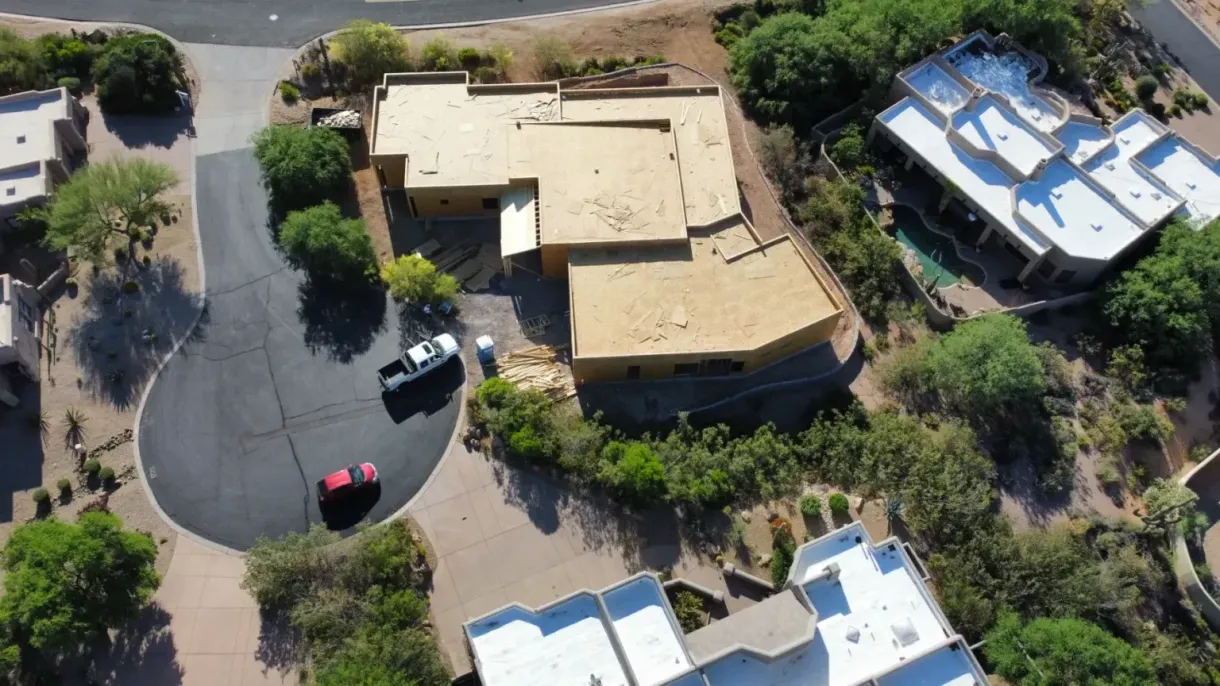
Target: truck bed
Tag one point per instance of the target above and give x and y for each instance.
(392, 370)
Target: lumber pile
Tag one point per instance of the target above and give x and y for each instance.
(537, 367)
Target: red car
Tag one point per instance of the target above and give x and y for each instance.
(346, 481)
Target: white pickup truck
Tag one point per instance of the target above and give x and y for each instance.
(418, 361)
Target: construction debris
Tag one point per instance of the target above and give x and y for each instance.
(344, 119)
(538, 368)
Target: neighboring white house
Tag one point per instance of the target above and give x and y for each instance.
(20, 322)
(1064, 191)
(42, 133)
(851, 612)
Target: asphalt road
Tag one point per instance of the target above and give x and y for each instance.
(279, 389)
(248, 22)
(1197, 53)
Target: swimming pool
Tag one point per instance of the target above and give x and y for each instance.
(937, 253)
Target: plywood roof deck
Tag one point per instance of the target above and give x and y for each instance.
(601, 183)
(700, 130)
(721, 291)
(453, 133)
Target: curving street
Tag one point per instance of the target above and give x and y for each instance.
(277, 387)
(250, 23)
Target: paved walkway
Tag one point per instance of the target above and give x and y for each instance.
(201, 630)
(503, 535)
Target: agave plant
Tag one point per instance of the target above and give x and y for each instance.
(893, 510)
(74, 427)
(40, 422)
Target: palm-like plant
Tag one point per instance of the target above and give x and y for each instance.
(74, 427)
(893, 510)
(40, 422)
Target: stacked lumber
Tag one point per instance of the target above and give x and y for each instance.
(537, 367)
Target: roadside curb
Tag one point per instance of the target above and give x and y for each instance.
(1191, 18)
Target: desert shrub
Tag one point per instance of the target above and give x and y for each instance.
(469, 58)
(1064, 651)
(138, 73)
(414, 279)
(811, 505)
(92, 466)
(289, 92)
(367, 51)
(310, 71)
(63, 484)
(633, 471)
(131, 286)
(688, 608)
(1200, 100)
(487, 74)
(783, 548)
(848, 150)
(1156, 109)
(302, 167)
(1107, 472)
(319, 240)
(23, 66)
(553, 58)
(40, 496)
(1146, 86)
(439, 54)
(839, 503)
(72, 83)
(106, 474)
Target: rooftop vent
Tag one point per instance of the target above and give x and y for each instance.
(20, 139)
(1096, 227)
(905, 632)
(852, 634)
(11, 190)
(832, 570)
(1110, 166)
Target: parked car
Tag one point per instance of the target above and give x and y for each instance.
(418, 361)
(347, 481)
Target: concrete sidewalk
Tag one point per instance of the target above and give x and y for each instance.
(202, 629)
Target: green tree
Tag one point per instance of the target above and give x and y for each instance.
(633, 470)
(22, 65)
(302, 167)
(688, 607)
(319, 240)
(1054, 652)
(848, 150)
(138, 73)
(67, 55)
(1168, 501)
(369, 50)
(107, 201)
(1160, 307)
(414, 279)
(67, 584)
(281, 572)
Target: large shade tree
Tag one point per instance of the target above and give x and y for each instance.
(107, 203)
(302, 167)
(1066, 652)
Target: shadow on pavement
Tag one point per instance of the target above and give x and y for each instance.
(347, 512)
(341, 320)
(277, 642)
(427, 395)
(141, 131)
(123, 331)
(22, 442)
(141, 653)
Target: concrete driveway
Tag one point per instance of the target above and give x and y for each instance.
(277, 387)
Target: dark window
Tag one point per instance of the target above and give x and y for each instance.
(25, 313)
(411, 202)
(717, 366)
(444, 202)
(1065, 276)
(633, 371)
(1046, 268)
(491, 203)
(738, 365)
(688, 369)
(357, 474)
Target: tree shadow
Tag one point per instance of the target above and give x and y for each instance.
(342, 320)
(138, 131)
(278, 641)
(123, 332)
(348, 512)
(141, 652)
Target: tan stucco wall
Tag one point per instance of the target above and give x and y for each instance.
(587, 369)
(453, 202)
(394, 167)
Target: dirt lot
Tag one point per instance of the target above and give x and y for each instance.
(1206, 12)
(105, 344)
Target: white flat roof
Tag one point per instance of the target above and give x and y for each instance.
(649, 638)
(1187, 174)
(1142, 195)
(1082, 140)
(980, 180)
(27, 138)
(947, 666)
(19, 184)
(1080, 220)
(991, 127)
(1007, 74)
(938, 87)
(567, 643)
